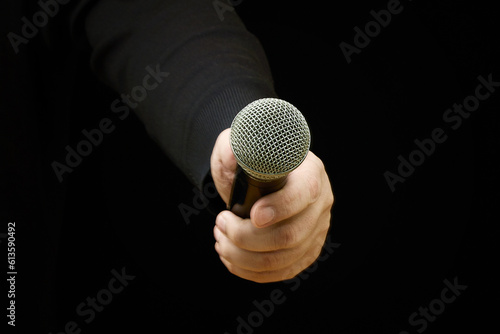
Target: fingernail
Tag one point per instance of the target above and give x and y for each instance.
(221, 223)
(265, 216)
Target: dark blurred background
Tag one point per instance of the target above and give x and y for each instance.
(121, 205)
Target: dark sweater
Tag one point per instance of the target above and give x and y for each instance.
(204, 66)
(215, 68)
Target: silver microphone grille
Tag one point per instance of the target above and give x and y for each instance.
(269, 138)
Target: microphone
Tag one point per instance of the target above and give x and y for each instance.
(269, 139)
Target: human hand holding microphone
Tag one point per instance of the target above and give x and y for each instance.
(280, 200)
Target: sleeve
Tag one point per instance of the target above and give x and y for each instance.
(206, 67)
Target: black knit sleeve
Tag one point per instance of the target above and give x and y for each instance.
(197, 69)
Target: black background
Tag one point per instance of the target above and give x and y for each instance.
(121, 205)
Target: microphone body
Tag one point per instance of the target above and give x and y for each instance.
(269, 139)
(246, 191)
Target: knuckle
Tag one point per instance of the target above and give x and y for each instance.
(287, 202)
(330, 198)
(235, 235)
(319, 162)
(289, 275)
(237, 238)
(315, 185)
(285, 237)
(325, 227)
(317, 251)
(270, 261)
(292, 272)
(314, 188)
(229, 267)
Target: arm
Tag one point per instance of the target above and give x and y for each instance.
(215, 68)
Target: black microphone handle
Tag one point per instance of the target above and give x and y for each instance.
(246, 191)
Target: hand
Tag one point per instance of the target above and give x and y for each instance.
(286, 230)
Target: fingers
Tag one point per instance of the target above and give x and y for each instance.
(275, 274)
(286, 234)
(303, 188)
(241, 247)
(255, 260)
(223, 165)
(266, 276)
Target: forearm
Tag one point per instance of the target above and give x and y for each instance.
(215, 68)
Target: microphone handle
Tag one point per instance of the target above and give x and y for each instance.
(246, 191)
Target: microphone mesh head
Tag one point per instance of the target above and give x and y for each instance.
(269, 138)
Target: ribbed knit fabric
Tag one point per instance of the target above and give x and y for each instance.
(213, 118)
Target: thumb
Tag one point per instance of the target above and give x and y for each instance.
(223, 165)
